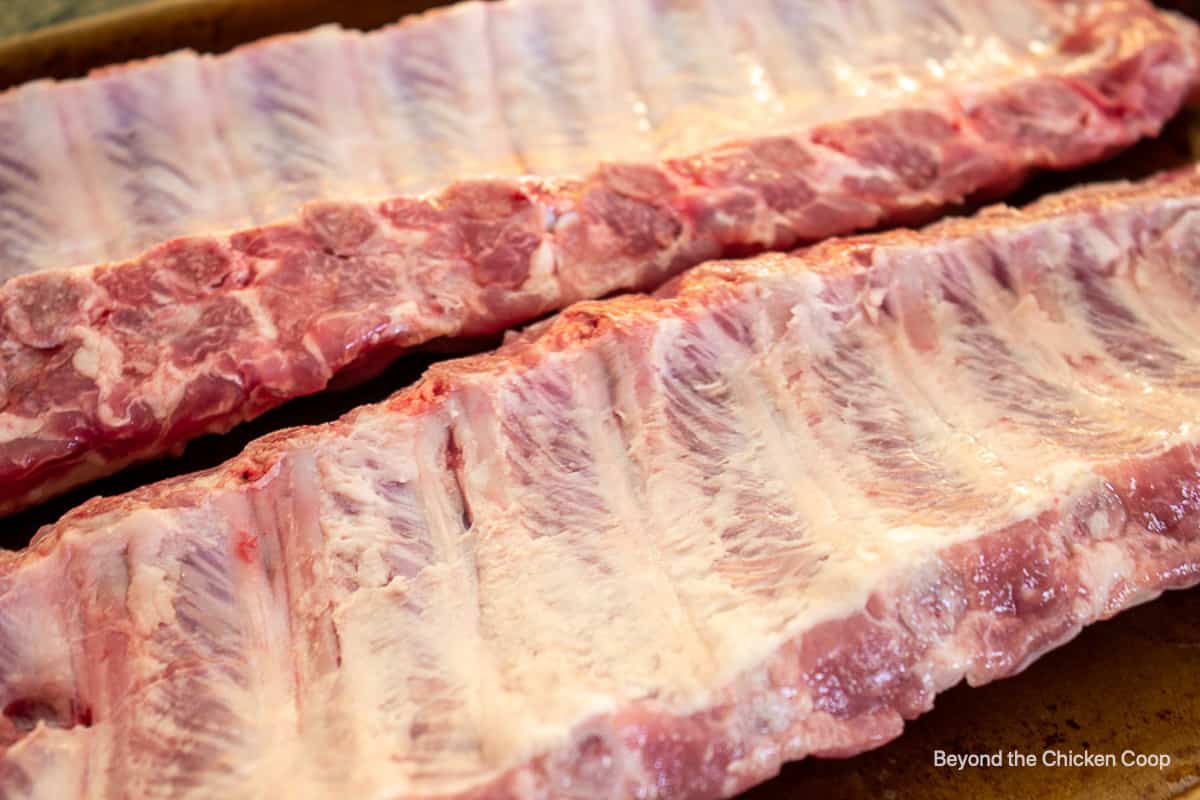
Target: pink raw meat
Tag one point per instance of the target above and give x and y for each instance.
(720, 128)
(653, 547)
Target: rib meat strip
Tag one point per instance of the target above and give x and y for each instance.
(100, 169)
(653, 547)
(109, 364)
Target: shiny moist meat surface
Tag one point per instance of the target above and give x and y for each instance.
(703, 128)
(654, 546)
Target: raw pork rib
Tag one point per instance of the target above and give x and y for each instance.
(653, 547)
(100, 169)
(105, 365)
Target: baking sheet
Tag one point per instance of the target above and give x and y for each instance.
(1124, 685)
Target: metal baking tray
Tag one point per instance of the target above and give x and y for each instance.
(1129, 684)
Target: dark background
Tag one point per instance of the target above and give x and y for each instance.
(21, 16)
